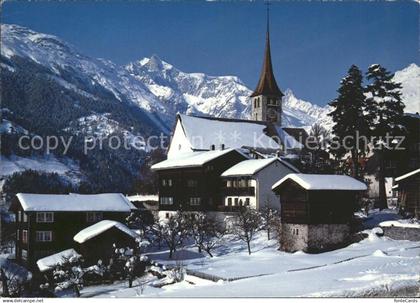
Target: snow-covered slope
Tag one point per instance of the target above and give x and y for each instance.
(409, 77)
(61, 58)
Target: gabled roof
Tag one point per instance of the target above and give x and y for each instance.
(112, 202)
(407, 175)
(52, 261)
(203, 132)
(323, 182)
(253, 166)
(193, 159)
(100, 227)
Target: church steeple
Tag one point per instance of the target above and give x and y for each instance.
(266, 99)
(267, 84)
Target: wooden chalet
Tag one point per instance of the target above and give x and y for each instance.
(46, 224)
(408, 187)
(97, 241)
(192, 181)
(316, 210)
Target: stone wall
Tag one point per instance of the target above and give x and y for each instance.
(313, 238)
(402, 233)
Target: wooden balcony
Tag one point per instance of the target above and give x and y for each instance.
(239, 191)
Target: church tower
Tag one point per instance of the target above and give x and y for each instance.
(267, 97)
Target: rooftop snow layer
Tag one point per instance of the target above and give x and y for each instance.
(252, 166)
(192, 159)
(401, 223)
(49, 262)
(100, 227)
(143, 198)
(323, 182)
(203, 132)
(289, 142)
(75, 202)
(414, 172)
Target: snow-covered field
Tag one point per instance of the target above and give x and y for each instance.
(375, 266)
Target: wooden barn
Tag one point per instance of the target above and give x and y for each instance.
(408, 187)
(97, 241)
(46, 224)
(316, 210)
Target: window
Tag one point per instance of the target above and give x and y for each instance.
(44, 236)
(210, 168)
(236, 201)
(19, 216)
(25, 217)
(17, 234)
(243, 183)
(246, 201)
(192, 183)
(228, 183)
(167, 215)
(24, 236)
(24, 254)
(166, 200)
(94, 216)
(167, 182)
(195, 201)
(249, 182)
(229, 201)
(44, 217)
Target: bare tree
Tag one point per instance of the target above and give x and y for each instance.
(206, 231)
(173, 231)
(247, 223)
(268, 216)
(12, 278)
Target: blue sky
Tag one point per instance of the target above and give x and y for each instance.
(313, 43)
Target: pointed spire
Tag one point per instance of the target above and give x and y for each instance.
(267, 84)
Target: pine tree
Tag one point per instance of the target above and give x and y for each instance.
(384, 110)
(350, 123)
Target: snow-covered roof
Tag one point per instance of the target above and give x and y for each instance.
(202, 132)
(193, 159)
(412, 173)
(49, 262)
(143, 198)
(100, 227)
(75, 202)
(323, 182)
(289, 142)
(407, 223)
(252, 166)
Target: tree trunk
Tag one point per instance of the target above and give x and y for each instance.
(4, 282)
(355, 164)
(130, 282)
(76, 290)
(268, 233)
(249, 247)
(170, 253)
(199, 249)
(208, 251)
(382, 203)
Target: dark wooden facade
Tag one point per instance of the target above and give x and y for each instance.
(300, 206)
(409, 195)
(101, 246)
(63, 228)
(202, 182)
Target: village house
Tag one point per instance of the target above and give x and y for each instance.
(316, 210)
(249, 182)
(408, 187)
(96, 242)
(192, 182)
(46, 224)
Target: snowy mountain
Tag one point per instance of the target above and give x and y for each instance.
(409, 77)
(223, 96)
(192, 93)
